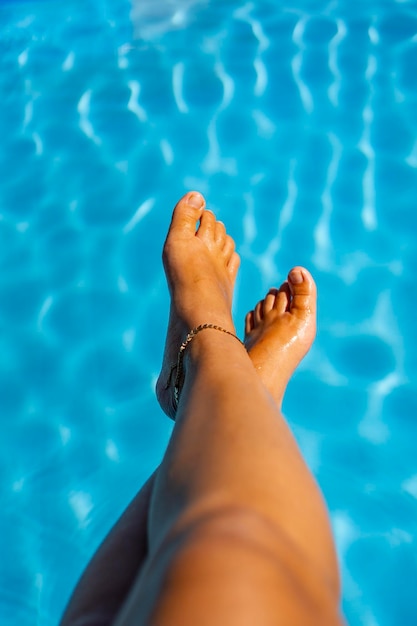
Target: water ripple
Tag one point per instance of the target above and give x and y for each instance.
(261, 71)
(411, 160)
(167, 151)
(322, 237)
(22, 59)
(133, 104)
(214, 162)
(228, 85)
(38, 143)
(287, 212)
(334, 88)
(85, 124)
(44, 310)
(296, 66)
(140, 213)
(68, 63)
(177, 86)
(369, 217)
(82, 505)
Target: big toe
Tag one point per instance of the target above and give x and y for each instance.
(186, 214)
(303, 293)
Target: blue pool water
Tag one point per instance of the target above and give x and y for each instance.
(299, 123)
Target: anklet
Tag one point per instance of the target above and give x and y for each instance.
(179, 378)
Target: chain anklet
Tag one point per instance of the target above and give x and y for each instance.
(179, 378)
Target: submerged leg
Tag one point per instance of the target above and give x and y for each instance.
(238, 531)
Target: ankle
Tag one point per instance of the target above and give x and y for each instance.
(211, 339)
(201, 342)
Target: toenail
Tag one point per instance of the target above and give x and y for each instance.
(196, 200)
(295, 277)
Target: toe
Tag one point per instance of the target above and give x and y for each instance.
(258, 312)
(283, 299)
(303, 292)
(207, 228)
(220, 234)
(234, 265)
(269, 301)
(249, 322)
(228, 248)
(187, 214)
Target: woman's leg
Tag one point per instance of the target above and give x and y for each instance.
(109, 576)
(238, 532)
(113, 569)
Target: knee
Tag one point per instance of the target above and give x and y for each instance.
(237, 525)
(240, 529)
(215, 545)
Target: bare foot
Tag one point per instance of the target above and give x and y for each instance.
(280, 330)
(201, 266)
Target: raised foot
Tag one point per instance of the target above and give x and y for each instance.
(201, 266)
(281, 329)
